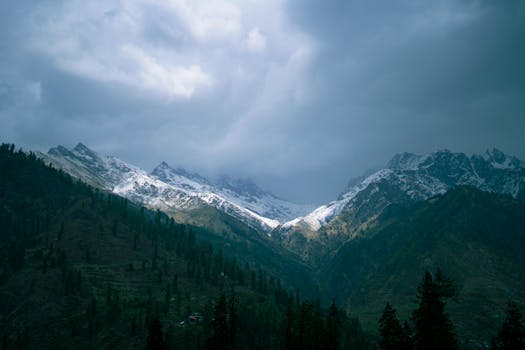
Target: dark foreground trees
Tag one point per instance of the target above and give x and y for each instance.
(155, 340)
(433, 329)
(393, 336)
(512, 332)
(223, 324)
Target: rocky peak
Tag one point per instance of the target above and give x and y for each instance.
(240, 186)
(407, 161)
(165, 172)
(59, 151)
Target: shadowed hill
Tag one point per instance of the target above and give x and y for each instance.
(85, 269)
(477, 238)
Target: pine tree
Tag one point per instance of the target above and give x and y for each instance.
(390, 330)
(60, 232)
(288, 327)
(219, 339)
(232, 321)
(512, 332)
(433, 328)
(407, 341)
(333, 327)
(155, 340)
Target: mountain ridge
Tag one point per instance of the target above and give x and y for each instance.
(169, 189)
(409, 177)
(426, 175)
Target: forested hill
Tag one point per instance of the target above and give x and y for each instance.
(476, 237)
(85, 269)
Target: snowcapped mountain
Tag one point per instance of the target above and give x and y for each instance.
(411, 177)
(173, 189)
(406, 177)
(243, 193)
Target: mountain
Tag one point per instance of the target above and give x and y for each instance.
(410, 177)
(175, 191)
(66, 245)
(232, 194)
(477, 238)
(84, 268)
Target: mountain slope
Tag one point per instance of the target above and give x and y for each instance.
(238, 198)
(476, 237)
(82, 268)
(173, 190)
(407, 179)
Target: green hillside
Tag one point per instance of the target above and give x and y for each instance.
(476, 238)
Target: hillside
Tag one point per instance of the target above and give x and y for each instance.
(406, 179)
(475, 237)
(81, 268)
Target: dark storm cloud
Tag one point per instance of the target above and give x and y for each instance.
(396, 76)
(300, 95)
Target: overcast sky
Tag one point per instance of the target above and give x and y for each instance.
(300, 95)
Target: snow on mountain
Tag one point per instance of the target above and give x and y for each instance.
(423, 176)
(167, 188)
(240, 193)
(325, 213)
(417, 176)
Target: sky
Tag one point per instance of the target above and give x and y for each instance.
(299, 95)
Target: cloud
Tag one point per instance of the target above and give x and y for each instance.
(256, 41)
(106, 45)
(143, 72)
(209, 20)
(298, 94)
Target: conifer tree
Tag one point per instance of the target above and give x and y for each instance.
(407, 342)
(232, 321)
(333, 327)
(433, 328)
(287, 326)
(155, 340)
(390, 330)
(512, 332)
(219, 338)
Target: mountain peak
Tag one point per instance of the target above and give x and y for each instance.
(59, 150)
(495, 155)
(499, 159)
(84, 151)
(81, 147)
(163, 165)
(244, 186)
(407, 161)
(165, 172)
